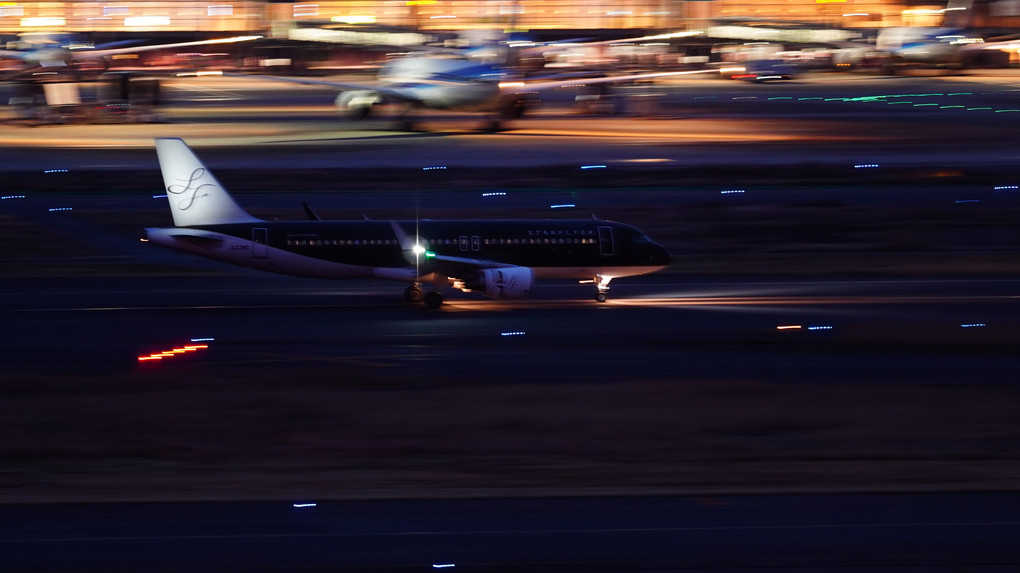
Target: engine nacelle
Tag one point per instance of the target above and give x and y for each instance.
(506, 282)
(357, 104)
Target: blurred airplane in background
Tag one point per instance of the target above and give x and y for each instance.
(41, 49)
(484, 71)
(926, 47)
(940, 46)
(954, 44)
(459, 83)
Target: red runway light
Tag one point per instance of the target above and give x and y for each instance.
(173, 352)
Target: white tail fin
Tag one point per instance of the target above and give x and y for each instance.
(196, 197)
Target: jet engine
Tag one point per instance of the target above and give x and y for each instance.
(357, 104)
(505, 282)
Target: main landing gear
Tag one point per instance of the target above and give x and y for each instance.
(601, 286)
(415, 293)
(407, 117)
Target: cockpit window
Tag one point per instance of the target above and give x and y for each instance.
(640, 239)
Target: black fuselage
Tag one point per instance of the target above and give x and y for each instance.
(536, 244)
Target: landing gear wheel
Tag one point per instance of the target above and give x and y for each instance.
(433, 299)
(600, 297)
(406, 119)
(414, 293)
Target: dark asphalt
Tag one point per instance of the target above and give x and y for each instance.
(653, 328)
(923, 533)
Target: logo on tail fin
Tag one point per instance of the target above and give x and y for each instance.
(191, 190)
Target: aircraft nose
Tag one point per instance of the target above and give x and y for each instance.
(659, 255)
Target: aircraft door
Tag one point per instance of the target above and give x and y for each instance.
(606, 246)
(259, 243)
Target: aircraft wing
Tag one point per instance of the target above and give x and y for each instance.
(431, 262)
(655, 37)
(385, 91)
(993, 45)
(459, 267)
(552, 83)
(525, 84)
(102, 53)
(310, 81)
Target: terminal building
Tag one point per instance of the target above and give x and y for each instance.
(275, 19)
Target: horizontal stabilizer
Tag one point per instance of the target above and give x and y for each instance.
(197, 240)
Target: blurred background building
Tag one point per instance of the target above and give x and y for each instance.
(275, 19)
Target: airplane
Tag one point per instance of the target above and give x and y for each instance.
(928, 47)
(456, 82)
(500, 258)
(55, 50)
(954, 44)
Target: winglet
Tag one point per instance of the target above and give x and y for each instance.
(408, 245)
(196, 197)
(312, 215)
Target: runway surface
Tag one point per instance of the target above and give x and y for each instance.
(653, 328)
(784, 370)
(916, 534)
